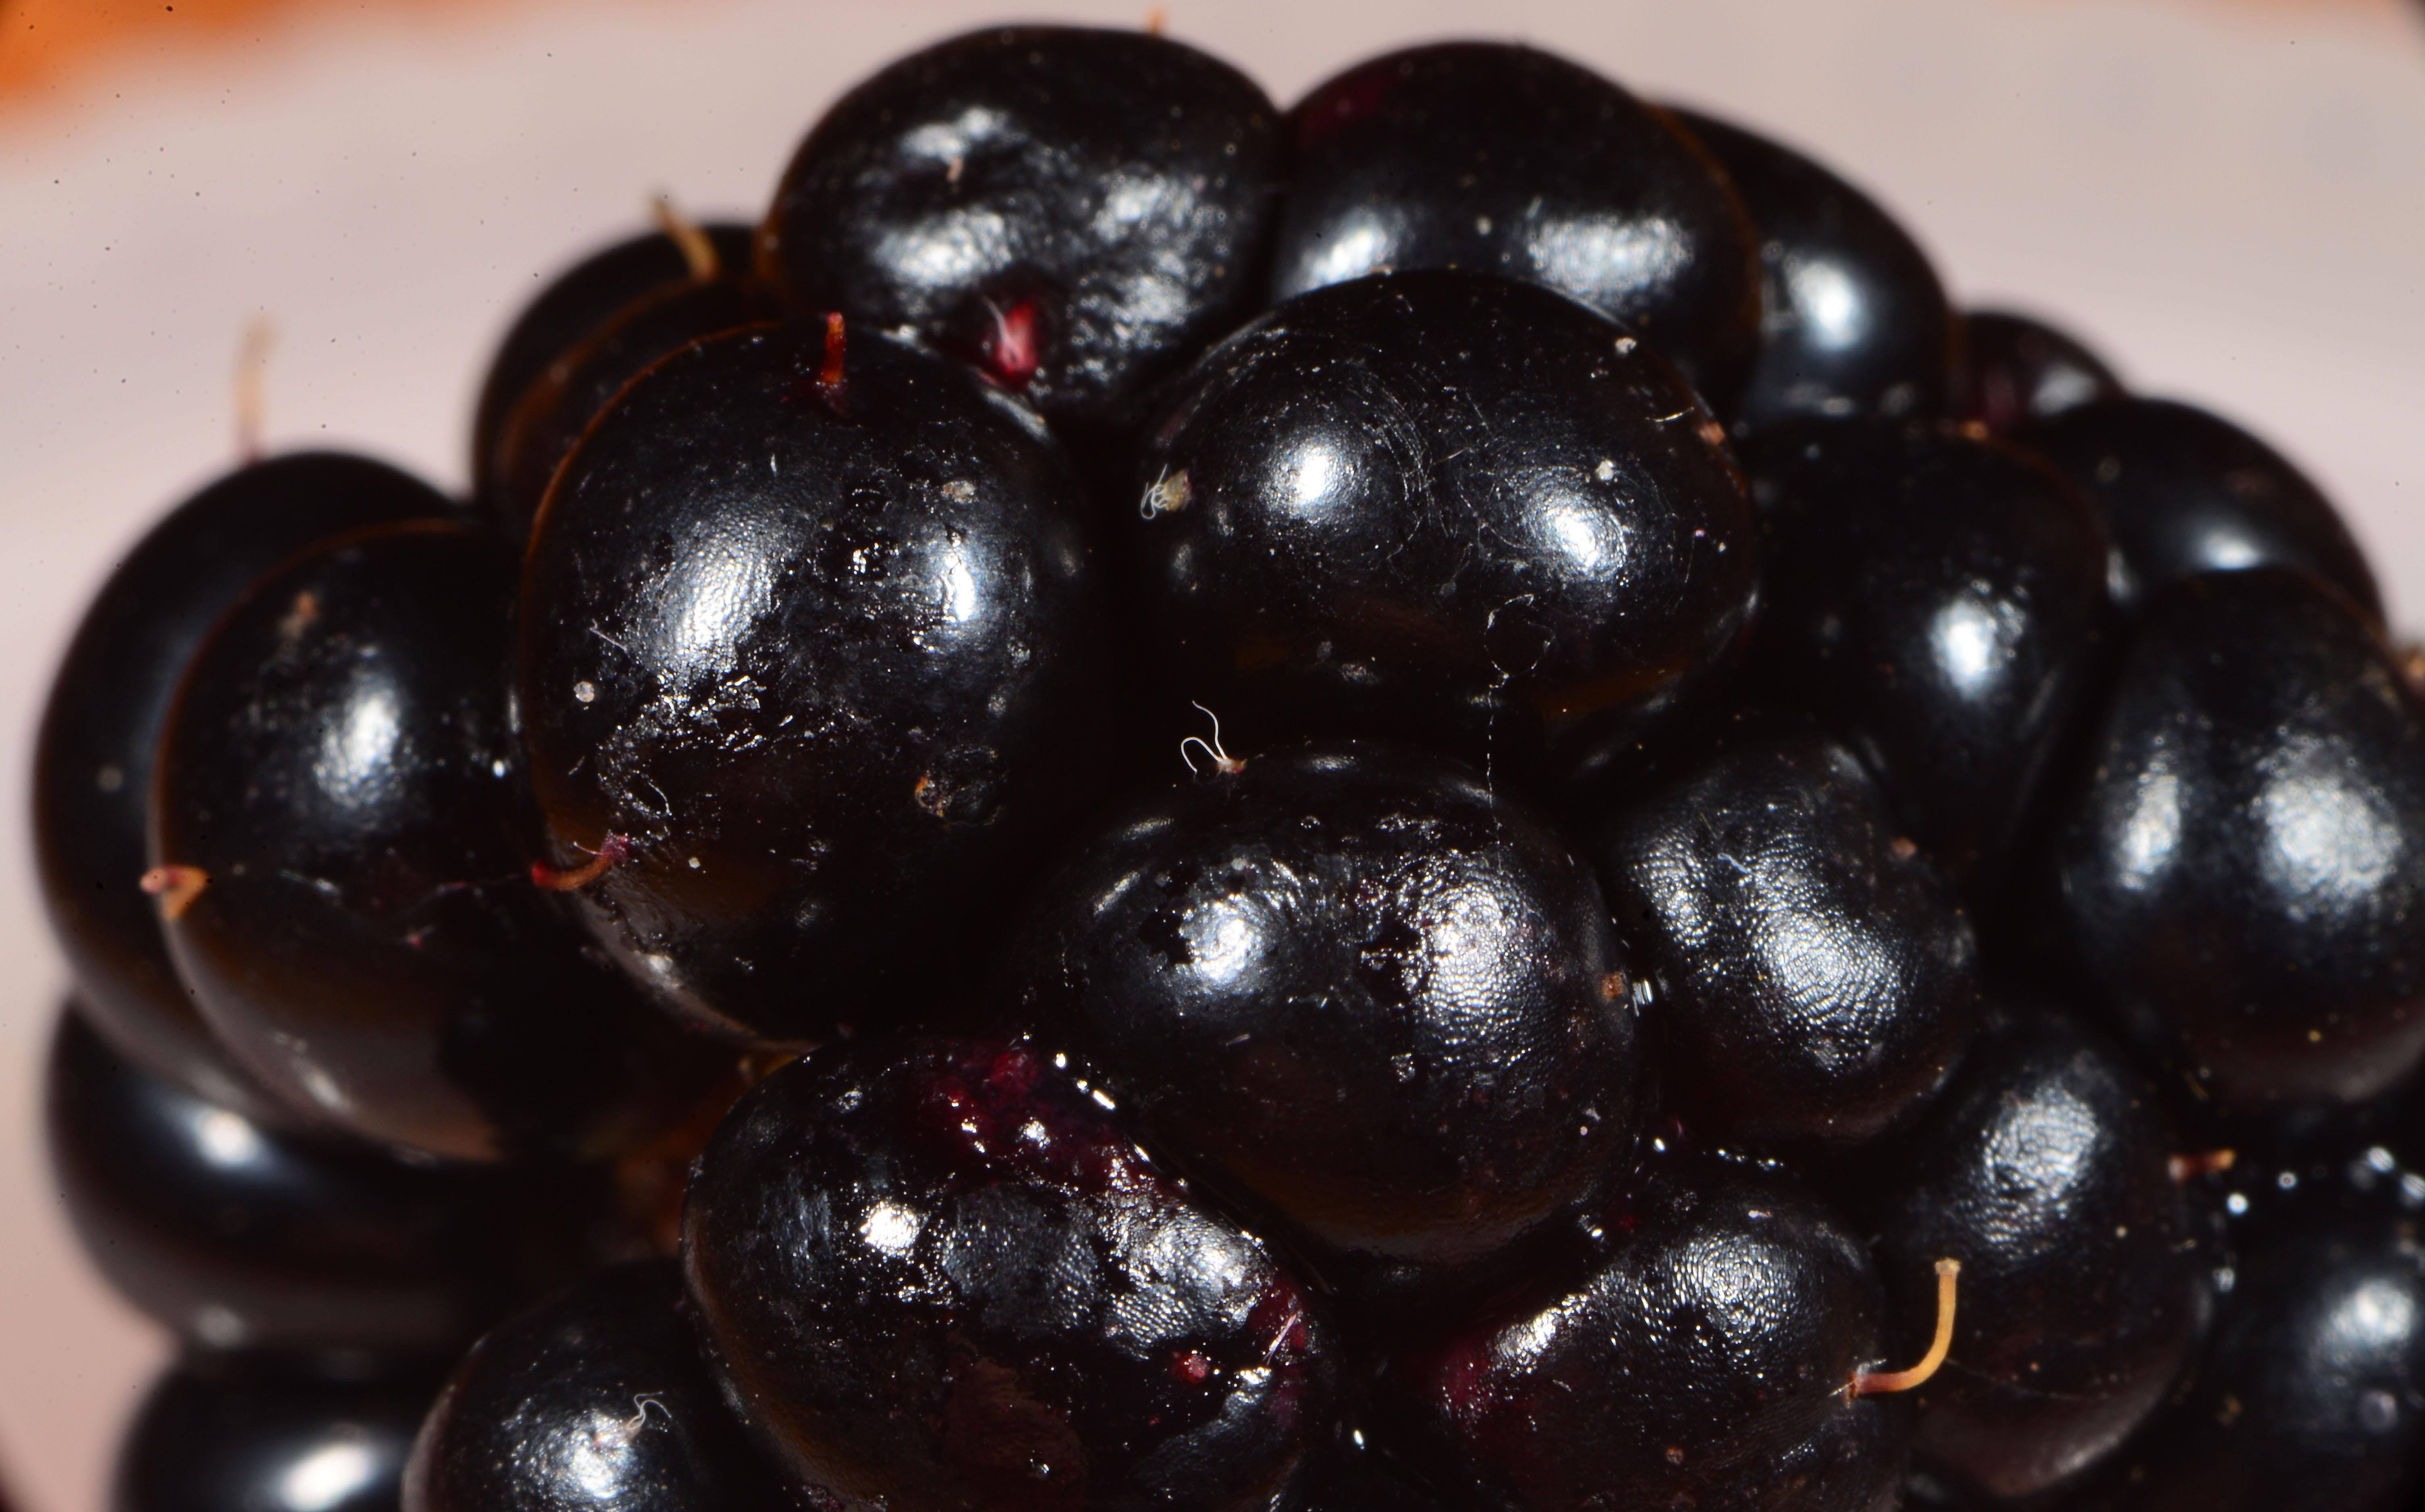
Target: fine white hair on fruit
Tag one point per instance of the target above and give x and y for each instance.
(1223, 762)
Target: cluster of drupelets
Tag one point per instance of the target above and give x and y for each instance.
(1443, 800)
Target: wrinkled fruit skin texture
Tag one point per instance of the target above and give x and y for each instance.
(1504, 160)
(597, 1398)
(341, 765)
(804, 659)
(1702, 1363)
(1812, 983)
(1076, 211)
(938, 1277)
(2243, 868)
(1441, 506)
(1353, 982)
(2045, 1172)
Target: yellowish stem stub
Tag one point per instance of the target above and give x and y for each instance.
(251, 407)
(1876, 1382)
(697, 248)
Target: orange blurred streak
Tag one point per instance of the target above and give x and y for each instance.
(44, 41)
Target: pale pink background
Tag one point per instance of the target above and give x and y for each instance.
(2229, 197)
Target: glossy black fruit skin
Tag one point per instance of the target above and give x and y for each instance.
(2182, 491)
(1854, 316)
(1500, 159)
(1812, 981)
(597, 1398)
(939, 1276)
(2310, 1397)
(542, 427)
(573, 307)
(2243, 866)
(341, 764)
(817, 664)
(1702, 1363)
(232, 1233)
(257, 1434)
(2016, 370)
(1439, 506)
(92, 760)
(1078, 212)
(1353, 982)
(2044, 1170)
(1940, 602)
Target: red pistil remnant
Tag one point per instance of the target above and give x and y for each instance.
(829, 377)
(2203, 1163)
(827, 384)
(1874, 1382)
(176, 887)
(1011, 354)
(610, 854)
